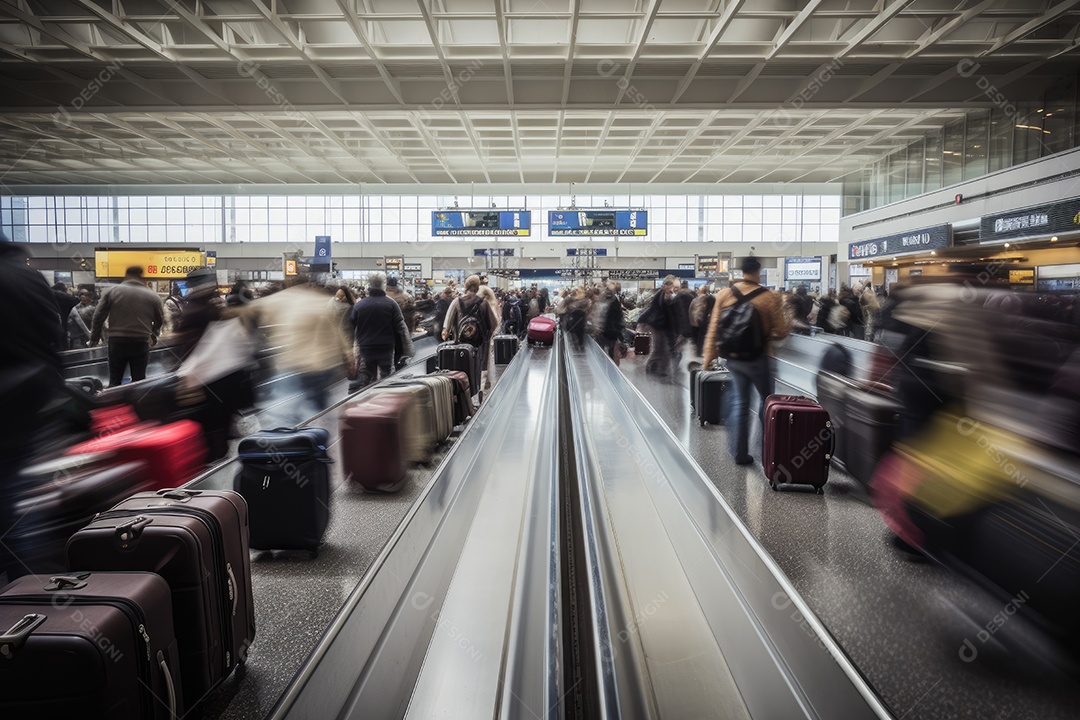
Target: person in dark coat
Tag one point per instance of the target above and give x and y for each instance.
(379, 326)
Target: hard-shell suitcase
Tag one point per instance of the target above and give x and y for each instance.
(93, 646)
(432, 364)
(154, 398)
(441, 388)
(420, 425)
(197, 540)
(284, 476)
(87, 384)
(373, 442)
(462, 357)
(63, 495)
(541, 330)
(642, 343)
(506, 346)
(798, 441)
(463, 407)
(865, 419)
(175, 452)
(710, 393)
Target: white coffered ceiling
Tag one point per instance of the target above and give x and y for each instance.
(502, 91)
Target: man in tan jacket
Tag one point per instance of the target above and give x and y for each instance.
(758, 372)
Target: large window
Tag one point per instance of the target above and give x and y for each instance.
(199, 220)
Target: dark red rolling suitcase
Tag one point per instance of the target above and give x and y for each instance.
(197, 540)
(541, 330)
(61, 497)
(92, 646)
(642, 343)
(373, 442)
(463, 407)
(463, 358)
(798, 441)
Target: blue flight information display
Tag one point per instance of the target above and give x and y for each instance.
(463, 223)
(604, 221)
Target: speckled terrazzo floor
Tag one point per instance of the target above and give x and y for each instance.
(901, 622)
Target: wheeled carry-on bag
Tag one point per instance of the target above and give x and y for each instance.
(541, 330)
(373, 441)
(419, 424)
(798, 441)
(155, 398)
(865, 417)
(642, 343)
(285, 478)
(197, 540)
(432, 364)
(441, 389)
(462, 357)
(463, 407)
(709, 392)
(506, 347)
(175, 452)
(92, 646)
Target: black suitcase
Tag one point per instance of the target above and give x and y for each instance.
(711, 388)
(61, 496)
(872, 422)
(463, 357)
(93, 646)
(432, 364)
(155, 398)
(87, 384)
(285, 478)
(506, 347)
(198, 542)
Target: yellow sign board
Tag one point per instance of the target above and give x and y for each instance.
(290, 267)
(1021, 277)
(156, 264)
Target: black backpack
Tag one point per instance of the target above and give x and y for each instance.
(469, 328)
(741, 334)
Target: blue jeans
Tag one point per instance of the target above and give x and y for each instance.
(747, 374)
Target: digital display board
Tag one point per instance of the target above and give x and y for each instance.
(1058, 217)
(604, 221)
(931, 238)
(156, 264)
(463, 223)
(802, 268)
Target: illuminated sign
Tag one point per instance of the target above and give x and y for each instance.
(156, 264)
(290, 267)
(1059, 217)
(605, 221)
(1022, 277)
(931, 238)
(393, 263)
(454, 223)
(804, 268)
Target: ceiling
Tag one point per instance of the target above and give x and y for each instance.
(502, 91)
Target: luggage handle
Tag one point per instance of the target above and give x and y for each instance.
(234, 591)
(131, 530)
(16, 635)
(170, 689)
(178, 494)
(67, 582)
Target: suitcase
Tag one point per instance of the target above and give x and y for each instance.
(798, 441)
(419, 424)
(87, 384)
(97, 646)
(441, 388)
(710, 391)
(373, 442)
(198, 542)
(642, 343)
(462, 357)
(865, 418)
(432, 364)
(285, 478)
(154, 398)
(541, 330)
(463, 407)
(62, 496)
(506, 347)
(175, 452)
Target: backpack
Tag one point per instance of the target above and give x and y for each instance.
(469, 328)
(741, 334)
(512, 314)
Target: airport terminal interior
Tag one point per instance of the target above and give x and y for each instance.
(555, 359)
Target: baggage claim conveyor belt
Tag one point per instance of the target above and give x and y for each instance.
(568, 559)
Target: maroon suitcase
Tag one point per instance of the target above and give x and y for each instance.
(541, 330)
(373, 442)
(198, 541)
(642, 343)
(798, 441)
(93, 646)
(463, 407)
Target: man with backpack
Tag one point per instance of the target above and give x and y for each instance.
(512, 317)
(745, 321)
(470, 320)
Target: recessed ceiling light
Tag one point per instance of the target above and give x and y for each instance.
(1006, 244)
(1053, 239)
(933, 252)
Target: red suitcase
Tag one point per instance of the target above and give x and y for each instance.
(542, 330)
(198, 542)
(463, 407)
(798, 441)
(175, 452)
(93, 646)
(373, 442)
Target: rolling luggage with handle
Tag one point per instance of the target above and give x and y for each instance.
(155, 398)
(506, 347)
(197, 540)
(798, 441)
(373, 441)
(87, 384)
(93, 646)
(865, 418)
(420, 425)
(541, 330)
(432, 364)
(463, 407)
(462, 357)
(441, 389)
(642, 343)
(285, 478)
(709, 393)
(62, 496)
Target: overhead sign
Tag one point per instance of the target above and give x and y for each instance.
(322, 250)
(290, 267)
(931, 238)
(802, 268)
(393, 263)
(687, 266)
(493, 252)
(586, 252)
(1059, 217)
(706, 266)
(156, 264)
(633, 274)
(453, 223)
(604, 221)
(412, 271)
(211, 258)
(859, 270)
(1023, 276)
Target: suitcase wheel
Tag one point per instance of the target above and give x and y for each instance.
(702, 423)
